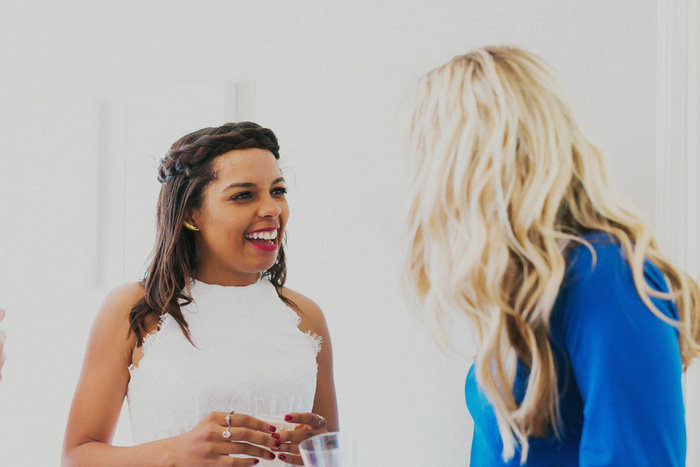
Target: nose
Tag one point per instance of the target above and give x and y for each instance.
(270, 208)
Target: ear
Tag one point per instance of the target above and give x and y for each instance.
(191, 216)
(190, 220)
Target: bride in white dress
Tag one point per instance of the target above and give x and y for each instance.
(211, 328)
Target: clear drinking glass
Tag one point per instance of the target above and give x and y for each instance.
(329, 450)
(272, 410)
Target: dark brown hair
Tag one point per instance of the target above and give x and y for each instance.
(184, 174)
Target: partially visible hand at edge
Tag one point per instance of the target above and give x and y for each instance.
(3, 337)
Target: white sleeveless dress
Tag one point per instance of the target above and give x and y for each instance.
(248, 345)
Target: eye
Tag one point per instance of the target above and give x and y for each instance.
(242, 196)
(279, 191)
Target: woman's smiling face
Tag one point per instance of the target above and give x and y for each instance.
(242, 218)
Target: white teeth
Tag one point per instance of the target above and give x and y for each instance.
(269, 235)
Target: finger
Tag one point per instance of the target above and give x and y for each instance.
(249, 450)
(241, 420)
(291, 459)
(236, 462)
(297, 436)
(307, 418)
(247, 435)
(289, 448)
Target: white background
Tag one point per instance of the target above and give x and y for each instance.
(329, 79)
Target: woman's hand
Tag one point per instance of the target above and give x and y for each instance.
(211, 441)
(308, 425)
(2, 343)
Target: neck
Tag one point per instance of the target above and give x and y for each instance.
(235, 280)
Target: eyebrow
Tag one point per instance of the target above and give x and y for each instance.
(250, 184)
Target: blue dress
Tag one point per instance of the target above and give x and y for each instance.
(619, 372)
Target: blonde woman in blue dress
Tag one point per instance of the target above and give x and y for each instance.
(211, 328)
(583, 326)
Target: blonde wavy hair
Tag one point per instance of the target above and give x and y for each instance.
(502, 178)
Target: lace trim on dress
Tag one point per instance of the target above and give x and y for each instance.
(294, 316)
(148, 341)
(314, 339)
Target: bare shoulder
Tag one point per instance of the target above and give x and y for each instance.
(311, 315)
(305, 304)
(122, 299)
(115, 310)
(128, 293)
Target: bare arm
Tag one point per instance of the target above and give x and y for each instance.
(101, 389)
(325, 404)
(312, 320)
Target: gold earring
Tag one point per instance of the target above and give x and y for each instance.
(189, 226)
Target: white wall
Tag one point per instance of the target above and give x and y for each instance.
(678, 164)
(329, 78)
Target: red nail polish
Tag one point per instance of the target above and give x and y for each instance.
(256, 461)
(272, 456)
(288, 418)
(283, 457)
(275, 435)
(272, 428)
(277, 443)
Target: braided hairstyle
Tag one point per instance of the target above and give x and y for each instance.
(184, 174)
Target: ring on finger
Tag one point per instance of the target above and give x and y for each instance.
(227, 432)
